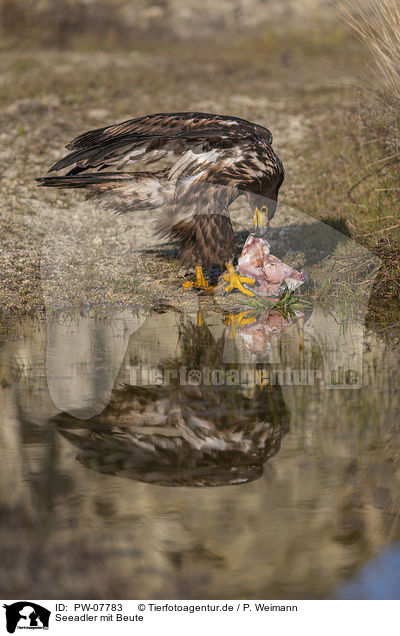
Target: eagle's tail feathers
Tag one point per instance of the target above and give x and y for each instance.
(121, 192)
(84, 180)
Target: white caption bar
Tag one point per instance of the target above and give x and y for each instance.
(145, 617)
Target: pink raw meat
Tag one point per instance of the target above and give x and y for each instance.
(256, 261)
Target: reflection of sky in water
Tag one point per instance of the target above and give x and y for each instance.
(378, 580)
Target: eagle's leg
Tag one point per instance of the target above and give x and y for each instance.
(235, 280)
(199, 283)
(260, 218)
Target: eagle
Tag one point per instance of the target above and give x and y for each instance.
(189, 165)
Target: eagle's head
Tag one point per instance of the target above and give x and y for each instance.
(266, 199)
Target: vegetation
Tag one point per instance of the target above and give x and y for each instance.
(287, 304)
(358, 185)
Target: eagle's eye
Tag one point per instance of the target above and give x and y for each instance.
(264, 209)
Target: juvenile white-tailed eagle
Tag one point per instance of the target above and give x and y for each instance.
(203, 163)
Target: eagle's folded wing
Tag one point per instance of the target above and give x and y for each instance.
(156, 137)
(203, 163)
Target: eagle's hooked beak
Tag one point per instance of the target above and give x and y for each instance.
(261, 219)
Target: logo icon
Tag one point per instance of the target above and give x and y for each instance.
(26, 615)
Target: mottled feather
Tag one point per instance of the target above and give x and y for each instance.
(203, 162)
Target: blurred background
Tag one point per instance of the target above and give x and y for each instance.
(115, 22)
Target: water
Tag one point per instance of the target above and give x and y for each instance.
(162, 454)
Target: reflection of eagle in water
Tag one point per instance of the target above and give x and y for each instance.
(204, 162)
(184, 435)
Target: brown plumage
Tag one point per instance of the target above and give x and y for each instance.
(203, 162)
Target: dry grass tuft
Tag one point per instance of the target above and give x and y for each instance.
(378, 26)
(375, 193)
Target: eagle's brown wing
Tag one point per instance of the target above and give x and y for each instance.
(153, 137)
(204, 162)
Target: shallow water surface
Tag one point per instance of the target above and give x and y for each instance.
(162, 454)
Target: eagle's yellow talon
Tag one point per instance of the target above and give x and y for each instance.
(235, 281)
(199, 283)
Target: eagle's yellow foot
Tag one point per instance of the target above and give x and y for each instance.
(235, 321)
(199, 283)
(260, 217)
(236, 281)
